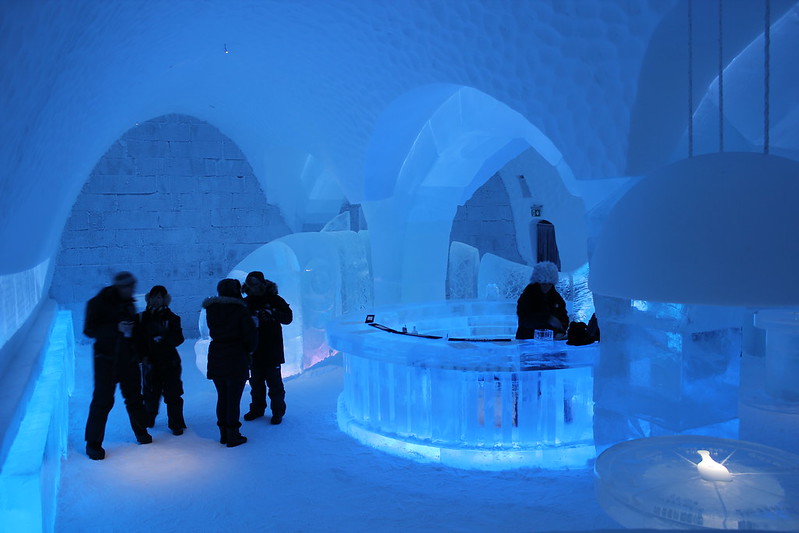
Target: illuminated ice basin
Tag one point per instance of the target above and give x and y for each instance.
(659, 483)
(478, 404)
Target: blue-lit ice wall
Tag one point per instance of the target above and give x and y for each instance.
(666, 369)
(769, 393)
(30, 475)
(20, 293)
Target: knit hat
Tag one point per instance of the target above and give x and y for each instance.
(124, 279)
(545, 272)
(257, 274)
(229, 287)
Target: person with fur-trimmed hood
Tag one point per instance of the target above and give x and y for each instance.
(233, 339)
(111, 321)
(159, 336)
(540, 306)
(272, 312)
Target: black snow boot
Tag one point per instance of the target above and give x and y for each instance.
(234, 438)
(95, 451)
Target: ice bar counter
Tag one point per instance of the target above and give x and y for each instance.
(447, 382)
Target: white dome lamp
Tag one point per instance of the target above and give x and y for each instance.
(716, 229)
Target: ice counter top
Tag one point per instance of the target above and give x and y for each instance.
(467, 335)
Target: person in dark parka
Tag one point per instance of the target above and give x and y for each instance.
(159, 336)
(272, 312)
(233, 339)
(540, 306)
(111, 322)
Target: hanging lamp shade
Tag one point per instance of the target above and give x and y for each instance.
(717, 229)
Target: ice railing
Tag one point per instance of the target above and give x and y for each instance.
(473, 398)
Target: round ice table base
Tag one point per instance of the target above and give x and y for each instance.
(467, 403)
(477, 458)
(655, 483)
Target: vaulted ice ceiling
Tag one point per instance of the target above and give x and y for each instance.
(602, 81)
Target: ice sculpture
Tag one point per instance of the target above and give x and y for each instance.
(508, 277)
(656, 483)
(580, 296)
(455, 393)
(464, 262)
(665, 369)
(501, 279)
(321, 275)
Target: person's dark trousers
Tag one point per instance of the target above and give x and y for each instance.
(260, 380)
(106, 375)
(164, 380)
(228, 398)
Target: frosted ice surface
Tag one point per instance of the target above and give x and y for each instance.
(508, 277)
(20, 293)
(321, 275)
(782, 353)
(577, 293)
(356, 276)
(320, 283)
(665, 368)
(506, 280)
(340, 222)
(464, 263)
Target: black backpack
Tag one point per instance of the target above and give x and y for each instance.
(580, 333)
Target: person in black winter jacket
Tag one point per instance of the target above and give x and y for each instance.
(271, 312)
(159, 336)
(233, 339)
(111, 322)
(540, 306)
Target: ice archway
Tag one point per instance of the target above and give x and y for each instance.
(432, 148)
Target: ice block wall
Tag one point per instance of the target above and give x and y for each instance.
(19, 295)
(174, 201)
(31, 471)
(666, 369)
(769, 396)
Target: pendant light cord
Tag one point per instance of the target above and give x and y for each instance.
(721, 84)
(690, 80)
(767, 64)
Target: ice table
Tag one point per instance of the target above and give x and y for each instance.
(490, 402)
(660, 483)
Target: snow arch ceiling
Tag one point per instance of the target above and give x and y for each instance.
(431, 150)
(300, 77)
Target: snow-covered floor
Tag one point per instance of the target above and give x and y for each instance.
(303, 475)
